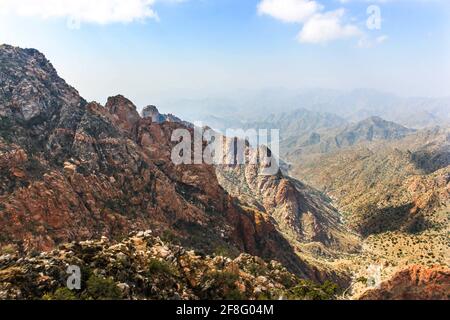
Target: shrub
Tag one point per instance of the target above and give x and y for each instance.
(60, 294)
(99, 288)
(308, 290)
(223, 286)
(234, 294)
(8, 249)
(223, 251)
(156, 266)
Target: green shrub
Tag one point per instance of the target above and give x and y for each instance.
(362, 280)
(234, 294)
(223, 251)
(330, 289)
(223, 286)
(308, 290)
(224, 278)
(99, 288)
(156, 266)
(8, 249)
(60, 294)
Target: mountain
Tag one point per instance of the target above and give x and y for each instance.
(325, 140)
(393, 190)
(377, 172)
(394, 193)
(302, 214)
(79, 181)
(298, 122)
(371, 129)
(74, 171)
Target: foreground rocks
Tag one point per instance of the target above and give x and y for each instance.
(145, 267)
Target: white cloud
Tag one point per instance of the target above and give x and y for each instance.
(317, 26)
(289, 10)
(322, 28)
(79, 11)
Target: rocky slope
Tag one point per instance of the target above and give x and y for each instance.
(145, 267)
(414, 283)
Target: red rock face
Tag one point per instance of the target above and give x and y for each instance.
(79, 171)
(124, 111)
(299, 212)
(414, 283)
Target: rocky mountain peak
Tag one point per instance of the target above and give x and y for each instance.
(124, 110)
(153, 113)
(30, 86)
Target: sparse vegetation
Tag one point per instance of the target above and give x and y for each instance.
(60, 294)
(99, 288)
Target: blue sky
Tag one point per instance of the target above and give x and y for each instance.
(199, 48)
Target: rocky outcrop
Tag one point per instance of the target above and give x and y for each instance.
(124, 111)
(151, 112)
(39, 110)
(414, 283)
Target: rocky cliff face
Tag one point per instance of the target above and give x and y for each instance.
(301, 213)
(73, 170)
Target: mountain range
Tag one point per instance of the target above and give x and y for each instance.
(238, 108)
(81, 181)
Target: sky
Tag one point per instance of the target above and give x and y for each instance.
(151, 50)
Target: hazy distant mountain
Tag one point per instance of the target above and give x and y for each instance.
(298, 122)
(353, 106)
(373, 128)
(326, 140)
